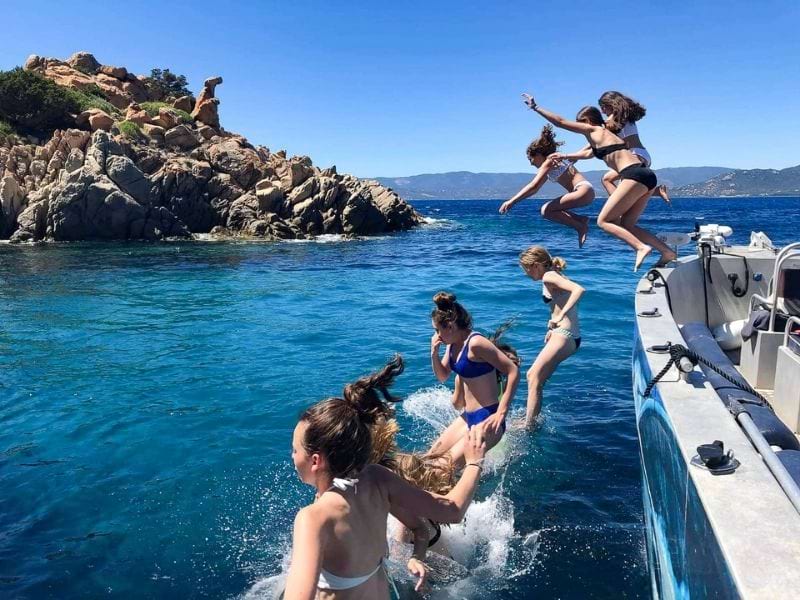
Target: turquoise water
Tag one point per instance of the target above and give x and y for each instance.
(149, 393)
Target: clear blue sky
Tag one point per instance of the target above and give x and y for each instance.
(389, 89)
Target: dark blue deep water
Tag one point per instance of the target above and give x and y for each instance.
(149, 391)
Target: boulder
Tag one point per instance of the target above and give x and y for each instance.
(136, 114)
(153, 131)
(115, 72)
(123, 172)
(167, 118)
(185, 103)
(96, 118)
(270, 198)
(206, 109)
(84, 62)
(181, 136)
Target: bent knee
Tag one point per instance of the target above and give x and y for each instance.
(545, 208)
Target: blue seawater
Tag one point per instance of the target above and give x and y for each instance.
(149, 392)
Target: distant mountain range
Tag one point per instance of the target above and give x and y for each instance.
(683, 182)
(747, 182)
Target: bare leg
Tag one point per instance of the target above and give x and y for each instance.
(557, 348)
(629, 220)
(454, 433)
(610, 181)
(560, 210)
(619, 203)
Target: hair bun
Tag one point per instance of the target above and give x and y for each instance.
(444, 300)
(559, 264)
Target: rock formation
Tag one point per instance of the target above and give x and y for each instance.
(172, 178)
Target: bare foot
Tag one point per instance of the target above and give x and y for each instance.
(641, 255)
(665, 260)
(662, 191)
(583, 231)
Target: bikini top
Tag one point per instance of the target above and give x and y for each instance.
(466, 368)
(558, 170)
(628, 130)
(601, 153)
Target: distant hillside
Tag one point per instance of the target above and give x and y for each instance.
(747, 182)
(468, 185)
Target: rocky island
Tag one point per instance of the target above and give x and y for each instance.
(132, 162)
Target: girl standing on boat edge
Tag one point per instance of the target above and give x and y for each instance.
(622, 209)
(580, 192)
(623, 113)
(563, 337)
(343, 532)
(476, 361)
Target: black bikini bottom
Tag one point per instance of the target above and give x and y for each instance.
(640, 174)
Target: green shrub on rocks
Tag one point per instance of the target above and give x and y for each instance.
(30, 102)
(152, 108)
(6, 130)
(130, 130)
(88, 99)
(163, 83)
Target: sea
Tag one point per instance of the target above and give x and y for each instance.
(149, 392)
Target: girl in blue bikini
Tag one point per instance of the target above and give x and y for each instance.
(476, 362)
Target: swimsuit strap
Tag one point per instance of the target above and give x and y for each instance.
(342, 483)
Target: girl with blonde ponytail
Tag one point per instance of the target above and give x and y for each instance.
(580, 192)
(339, 541)
(563, 337)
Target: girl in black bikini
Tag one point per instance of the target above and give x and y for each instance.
(623, 208)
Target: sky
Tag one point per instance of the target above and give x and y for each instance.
(402, 88)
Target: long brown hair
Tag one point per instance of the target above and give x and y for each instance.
(591, 115)
(504, 346)
(623, 109)
(449, 311)
(341, 428)
(545, 144)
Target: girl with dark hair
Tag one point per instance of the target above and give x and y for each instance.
(339, 541)
(621, 212)
(477, 362)
(623, 113)
(579, 191)
(563, 337)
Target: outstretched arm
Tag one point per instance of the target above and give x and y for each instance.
(584, 153)
(443, 509)
(530, 189)
(421, 536)
(558, 120)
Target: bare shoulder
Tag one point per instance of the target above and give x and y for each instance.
(553, 278)
(311, 517)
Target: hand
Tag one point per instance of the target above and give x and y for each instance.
(529, 101)
(474, 445)
(506, 206)
(417, 568)
(552, 324)
(547, 335)
(492, 427)
(436, 341)
(557, 156)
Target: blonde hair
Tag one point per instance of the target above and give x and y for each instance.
(431, 472)
(538, 255)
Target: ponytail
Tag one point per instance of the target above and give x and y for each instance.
(341, 428)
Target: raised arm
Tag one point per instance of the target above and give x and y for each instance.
(575, 293)
(307, 543)
(558, 120)
(531, 188)
(443, 509)
(441, 366)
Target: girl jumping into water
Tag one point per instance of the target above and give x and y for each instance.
(339, 541)
(623, 208)
(623, 113)
(579, 191)
(476, 361)
(563, 337)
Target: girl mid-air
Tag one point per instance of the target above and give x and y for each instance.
(579, 191)
(623, 113)
(620, 214)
